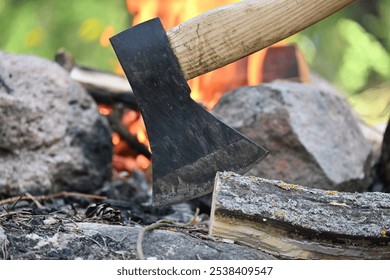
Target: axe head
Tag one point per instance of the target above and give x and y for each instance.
(189, 145)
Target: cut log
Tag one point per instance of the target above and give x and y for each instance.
(295, 222)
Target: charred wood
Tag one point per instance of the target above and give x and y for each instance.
(104, 97)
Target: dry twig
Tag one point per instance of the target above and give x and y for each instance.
(35, 199)
(161, 224)
(37, 203)
(13, 205)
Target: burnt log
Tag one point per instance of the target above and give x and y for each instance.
(108, 98)
(295, 222)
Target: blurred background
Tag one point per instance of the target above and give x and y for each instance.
(351, 49)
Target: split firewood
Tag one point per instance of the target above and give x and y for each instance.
(295, 222)
(104, 87)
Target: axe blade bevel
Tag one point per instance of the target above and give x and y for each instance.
(189, 145)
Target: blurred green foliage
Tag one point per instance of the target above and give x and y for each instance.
(41, 27)
(350, 49)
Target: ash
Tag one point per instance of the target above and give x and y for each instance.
(46, 227)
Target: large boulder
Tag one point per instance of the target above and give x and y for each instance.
(309, 129)
(52, 137)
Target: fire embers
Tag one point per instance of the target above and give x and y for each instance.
(103, 212)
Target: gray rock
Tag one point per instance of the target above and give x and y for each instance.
(165, 245)
(101, 241)
(309, 129)
(51, 135)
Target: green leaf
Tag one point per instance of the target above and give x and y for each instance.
(363, 54)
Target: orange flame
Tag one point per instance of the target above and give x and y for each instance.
(208, 88)
(134, 122)
(105, 110)
(107, 33)
(115, 138)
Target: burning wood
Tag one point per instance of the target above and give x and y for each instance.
(114, 118)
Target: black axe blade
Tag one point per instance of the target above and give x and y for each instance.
(189, 145)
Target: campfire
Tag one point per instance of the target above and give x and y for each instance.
(206, 89)
(61, 197)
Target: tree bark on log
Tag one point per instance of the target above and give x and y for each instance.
(295, 222)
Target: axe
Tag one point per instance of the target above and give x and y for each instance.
(188, 144)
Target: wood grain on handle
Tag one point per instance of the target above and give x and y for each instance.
(224, 35)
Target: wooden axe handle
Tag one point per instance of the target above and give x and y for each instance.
(224, 35)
